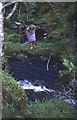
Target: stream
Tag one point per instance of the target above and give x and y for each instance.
(33, 77)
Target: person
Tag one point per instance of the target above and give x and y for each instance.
(30, 32)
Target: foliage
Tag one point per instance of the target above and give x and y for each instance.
(0, 93)
(30, 9)
(50, 109)
(53, 108)
(13, 92)
(11, 35)
(10, 48)
(70, 66)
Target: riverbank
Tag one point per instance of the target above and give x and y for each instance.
(21, 52)
(60, 50)
(15, 50)
(43, 50)
(53, 108)
(43, 106)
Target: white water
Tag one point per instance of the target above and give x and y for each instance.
(25, 84)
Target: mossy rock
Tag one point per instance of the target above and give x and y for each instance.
(16, 95)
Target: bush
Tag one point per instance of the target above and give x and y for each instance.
(11, 35)
(13, 92)
(14, 38)
(51, 109)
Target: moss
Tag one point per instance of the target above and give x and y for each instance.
(14, 93)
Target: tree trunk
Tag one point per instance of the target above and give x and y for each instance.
(1, 44)
(1, 29)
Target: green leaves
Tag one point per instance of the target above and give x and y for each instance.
(68, 64)
(71, 69)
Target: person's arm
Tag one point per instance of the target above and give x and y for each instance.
(34, 27)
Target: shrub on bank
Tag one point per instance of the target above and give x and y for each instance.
(50, 109)
(11, 35)
(13, 94)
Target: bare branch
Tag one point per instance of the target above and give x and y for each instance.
(64, 88)
(66, 94)
(48, 61)
(11, 13)
(27, 11)
(55, 12)
(69, 90)
(8, 4)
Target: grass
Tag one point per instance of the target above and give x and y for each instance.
(42, 49)
(50, 109)
(46, 109)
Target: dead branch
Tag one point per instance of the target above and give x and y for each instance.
(8, 4)
(27, 11)
(55, 12)
(48, 61)
(11, 13)
(66, 94)
(69, 90)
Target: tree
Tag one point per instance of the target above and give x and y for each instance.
(1, 44)
(1, 30)
(1, 24)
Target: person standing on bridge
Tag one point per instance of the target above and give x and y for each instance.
(30, 32)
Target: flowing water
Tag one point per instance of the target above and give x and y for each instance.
(33, 77)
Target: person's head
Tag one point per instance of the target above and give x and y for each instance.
(32, 27)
